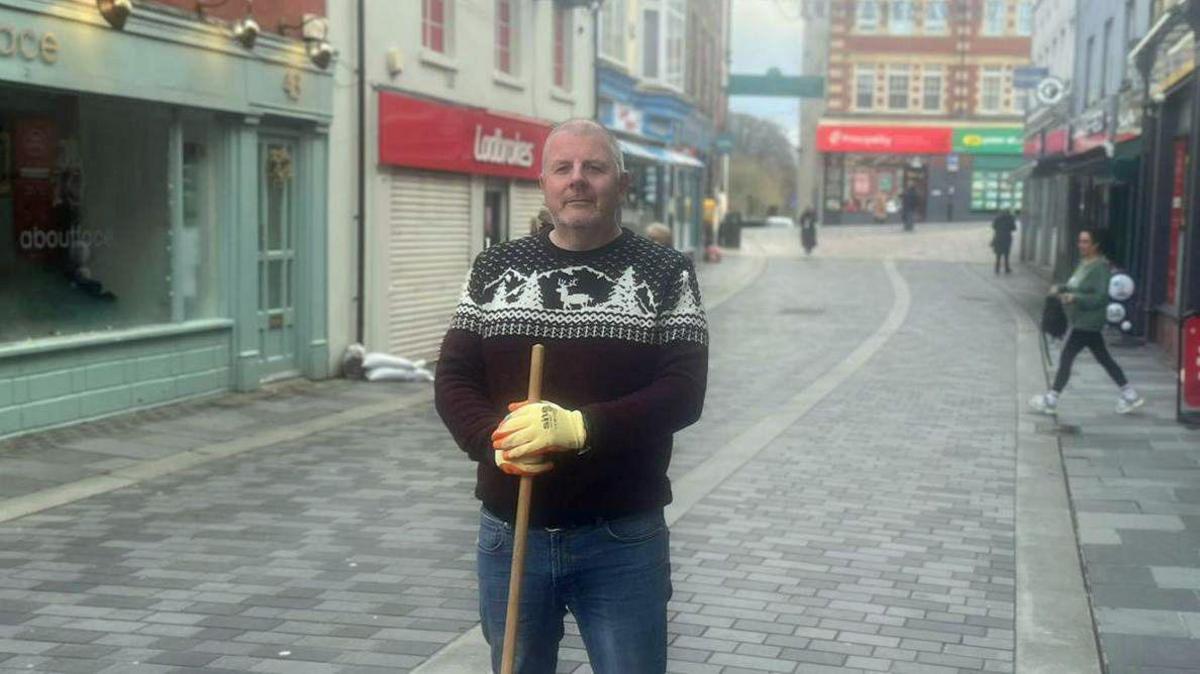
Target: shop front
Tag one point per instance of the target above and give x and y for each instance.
(161, 224)
(452, 180)
(957, 173)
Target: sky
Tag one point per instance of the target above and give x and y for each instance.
(766, 34)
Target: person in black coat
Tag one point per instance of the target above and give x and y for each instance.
(1003, 227)
(808, 230)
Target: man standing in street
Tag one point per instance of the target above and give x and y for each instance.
(908, 207)
(626, 367)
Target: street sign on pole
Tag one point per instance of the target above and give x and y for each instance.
(724, 143)
(775, 83)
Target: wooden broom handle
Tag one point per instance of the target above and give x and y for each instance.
(521, 531)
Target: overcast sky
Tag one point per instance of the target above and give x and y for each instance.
(766, 34)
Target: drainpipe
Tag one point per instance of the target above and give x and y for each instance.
(361, 217)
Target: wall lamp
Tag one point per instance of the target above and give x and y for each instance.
(115, 11)
(245, 30)
(315, 45)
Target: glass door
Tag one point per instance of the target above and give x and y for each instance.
(277, 258)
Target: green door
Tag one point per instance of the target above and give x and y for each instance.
(277, 258)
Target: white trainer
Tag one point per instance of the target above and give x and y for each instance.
(1126, 405)
(1042, 404)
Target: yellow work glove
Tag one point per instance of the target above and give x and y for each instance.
(529, 466)
(534, 429)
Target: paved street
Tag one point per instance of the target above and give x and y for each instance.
(849, 501)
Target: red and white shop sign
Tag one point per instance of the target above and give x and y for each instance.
(422, 134)
(1033, 146)
(884, 139)
(1054, 141)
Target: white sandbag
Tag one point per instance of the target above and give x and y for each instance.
(374, 360)
(399, 374)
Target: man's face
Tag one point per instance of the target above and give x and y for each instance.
(580, 181)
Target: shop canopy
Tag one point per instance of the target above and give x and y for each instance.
(658, 155)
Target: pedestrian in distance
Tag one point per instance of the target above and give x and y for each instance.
(908, 207)
(808, 230)
(626, 367)
(1085, 297)
(1003, 227)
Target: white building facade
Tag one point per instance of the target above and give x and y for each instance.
(458, 98)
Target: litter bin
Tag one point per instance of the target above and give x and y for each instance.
(731, 233)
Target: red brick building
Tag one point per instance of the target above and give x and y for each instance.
(921, 93)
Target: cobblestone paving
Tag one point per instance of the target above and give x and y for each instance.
(878, 535)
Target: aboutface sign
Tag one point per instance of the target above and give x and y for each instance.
(990, 140)
(423, 134)
(883, 139)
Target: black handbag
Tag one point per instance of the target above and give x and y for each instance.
(1054, 317)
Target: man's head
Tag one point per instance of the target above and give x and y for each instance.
(583, 176)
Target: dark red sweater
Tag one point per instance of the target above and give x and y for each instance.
(626, 343)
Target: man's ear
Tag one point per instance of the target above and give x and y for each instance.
(624, 182)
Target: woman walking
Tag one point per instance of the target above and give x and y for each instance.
(808, 230)
(1085, 297)
(1002, 239)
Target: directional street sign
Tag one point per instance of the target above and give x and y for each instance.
(775, 83)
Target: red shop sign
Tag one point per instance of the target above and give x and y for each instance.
(884, 139)
(1055, 141)
(1033, 146)
(423, 134)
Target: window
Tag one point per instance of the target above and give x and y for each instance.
(864, 89)
(676, 32)
(993, 17)
(612, 30)
(867, 16)
(1025, 17)
(506, 36)
(931, 89)
(1021, 100)
(900, 17)
(991, 86)
(562, 47)
(435, 25)
(935, 16)
(650, 44)
(1088, 79)
(1105, 47)
(897, 83)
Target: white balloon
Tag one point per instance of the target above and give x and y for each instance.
(1120, 287)
(1126, 326)
(1115, 313)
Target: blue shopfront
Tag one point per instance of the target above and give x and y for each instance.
(162, 212)
(664, 146)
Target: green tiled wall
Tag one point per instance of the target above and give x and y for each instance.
(60, 386)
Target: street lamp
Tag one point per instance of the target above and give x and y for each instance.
(115, 12)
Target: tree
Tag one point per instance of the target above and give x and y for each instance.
(763, 166)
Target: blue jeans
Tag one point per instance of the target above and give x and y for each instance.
(614, 577)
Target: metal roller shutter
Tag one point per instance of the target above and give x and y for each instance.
(525, 200)
(429, 253)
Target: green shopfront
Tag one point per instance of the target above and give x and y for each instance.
(162, 212)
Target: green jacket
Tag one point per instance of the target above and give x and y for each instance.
(1089, 285)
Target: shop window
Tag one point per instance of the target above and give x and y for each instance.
(995, 190)
(866, 17)
(897, 82)
(935, 16)
(900, 17)
(436, 23)
(612, 30)
(562, 47)
(994, 17)
(507, 22)
(931, 89)
(864, 89)
(88, 240)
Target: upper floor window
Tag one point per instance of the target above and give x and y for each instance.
(897, 87)
(664, 29)
(991, 88)
(676, 31)
(562, 47)
(900, 17)
(1025, 17)
(650, 40)
(993, 17)
(866, 19)
(931, 89)
(864, 89)
(612, 30)
(436, 25)
(935, 16)
(506, 36)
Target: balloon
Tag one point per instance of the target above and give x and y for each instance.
(1120, 287)
(1115, 313)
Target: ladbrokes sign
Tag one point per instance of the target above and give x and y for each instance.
(424, 134)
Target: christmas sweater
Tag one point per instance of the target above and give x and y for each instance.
(626, 344)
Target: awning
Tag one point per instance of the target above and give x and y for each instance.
(658, 155)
